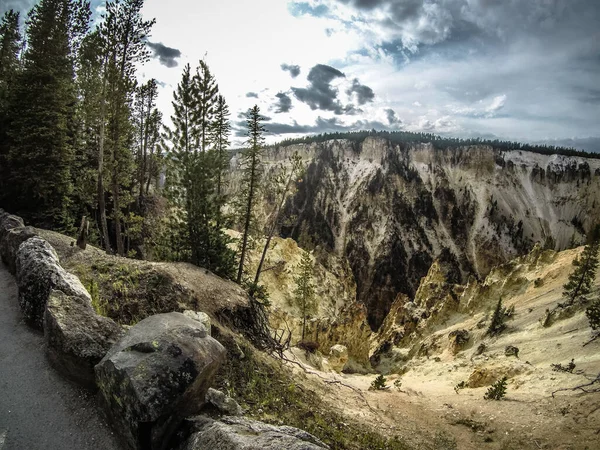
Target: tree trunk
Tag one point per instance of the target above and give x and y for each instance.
(101, 198)
(247, 224)
(273, 227)
(83, 233)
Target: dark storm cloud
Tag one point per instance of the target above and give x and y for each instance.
(363, 93)
(167, 56)
(251, 95)
(283, 104)
(294, 70)
(320, 94)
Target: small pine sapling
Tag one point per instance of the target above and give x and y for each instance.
(497, 391)
(497, 325)
(378, 384)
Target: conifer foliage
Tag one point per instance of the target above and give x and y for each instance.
(305, 291)
(585, 266)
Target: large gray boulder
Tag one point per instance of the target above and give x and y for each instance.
(76, 337)
(157, 375)
(38, 273)
(237, 433)
(8, 222)
(10, 243)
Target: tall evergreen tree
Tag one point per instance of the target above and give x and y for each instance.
(304, 293)
(193, 173)
(252, 171)
(124, 33)
(42, 109)
(206, 91)
(10, 45)
(147, 126)
(582, 277)
(219, 136)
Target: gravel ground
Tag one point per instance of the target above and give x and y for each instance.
(39, 409)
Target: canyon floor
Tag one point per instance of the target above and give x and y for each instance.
(427, 412)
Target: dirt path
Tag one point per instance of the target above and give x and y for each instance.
(39, 409)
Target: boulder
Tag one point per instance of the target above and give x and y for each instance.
(201, 317)
(76, 337)
(458, 340)
(338, 357)
(237, 433)
(156, 375)
(38, 273)
(511, 350)
(8, 222)
(224, 403)
(10, 243)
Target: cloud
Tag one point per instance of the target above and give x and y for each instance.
(294, 70)
(392, 117)
(283, 104)
(167, 56)
(251, 95)
(320, 94)
(497, 104)
(363, 93)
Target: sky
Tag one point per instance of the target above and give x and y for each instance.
(526, 70)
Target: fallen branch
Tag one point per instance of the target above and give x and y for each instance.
(592, 340)
(328, 381)
(583, 387)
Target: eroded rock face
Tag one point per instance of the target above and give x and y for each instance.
(236, 433)
(338, 357)
(9, 245)
(39, 272)
(392, 208)
(157, 375)
(76, 337)
(458, 340)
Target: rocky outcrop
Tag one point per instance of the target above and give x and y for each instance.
(8, 222)
(338, 357)
(76, 337)
(392, 208)
(38, 272)
(156, 375)
(198, 316)
(349, 328)
(235, 433)
(10, 243)
(223, 403)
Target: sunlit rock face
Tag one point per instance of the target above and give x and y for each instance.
(392, 209)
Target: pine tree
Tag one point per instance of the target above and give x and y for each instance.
(42, 109)
(582, 277)
(10, 45)
(148, 126)
(252, 169)
(194, 171)
(206, 91)
(220, 130)
(498, 318)
(124, 33)
(305, 291)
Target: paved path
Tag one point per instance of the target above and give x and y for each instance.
(38, 408)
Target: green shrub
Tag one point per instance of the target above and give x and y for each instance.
(497, 391)
(378, 384)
